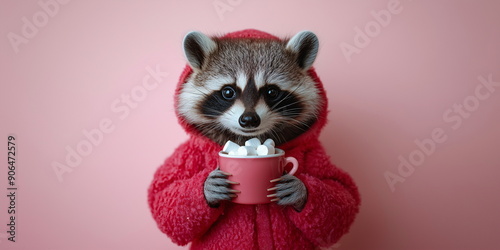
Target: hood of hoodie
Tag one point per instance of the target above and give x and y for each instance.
(311, 134)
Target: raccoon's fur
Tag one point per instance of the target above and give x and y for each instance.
(244, 88)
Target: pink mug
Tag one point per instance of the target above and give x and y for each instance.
(254, 173)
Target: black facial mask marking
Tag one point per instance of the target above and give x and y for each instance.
(283, 102)
(217, 103)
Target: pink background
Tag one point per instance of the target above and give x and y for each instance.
(396, 90)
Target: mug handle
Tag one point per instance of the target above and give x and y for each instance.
(294, 162)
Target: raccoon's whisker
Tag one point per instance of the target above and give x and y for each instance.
(291, 115)
(287, 96)
(295, 111)
(212, 116)
(279, 137)
(209, 126)
(298, 121)
(288, 105)
(273, 134)
(217, 112)
(301, 125)
(198, 91)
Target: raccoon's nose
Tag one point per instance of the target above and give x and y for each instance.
(249, 120)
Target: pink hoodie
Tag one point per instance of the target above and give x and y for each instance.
(178, 205)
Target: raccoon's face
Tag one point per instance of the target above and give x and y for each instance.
(242, 88)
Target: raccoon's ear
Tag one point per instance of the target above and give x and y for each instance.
(197, 47)
(305, 44)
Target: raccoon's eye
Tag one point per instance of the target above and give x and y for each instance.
(273, 92)
(228, 93)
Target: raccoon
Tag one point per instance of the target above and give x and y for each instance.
(242, 85)
(245, 88)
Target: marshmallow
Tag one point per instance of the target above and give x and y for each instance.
(246, 150)
(269, 142)
(265, 150)
(253, 147)
(254, 142)
(230, 146)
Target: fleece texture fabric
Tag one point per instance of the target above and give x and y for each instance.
(178, 205)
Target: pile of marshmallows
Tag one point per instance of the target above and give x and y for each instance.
(252, 147)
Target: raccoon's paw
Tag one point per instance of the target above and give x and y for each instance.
(290, 190)
(216, 188)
